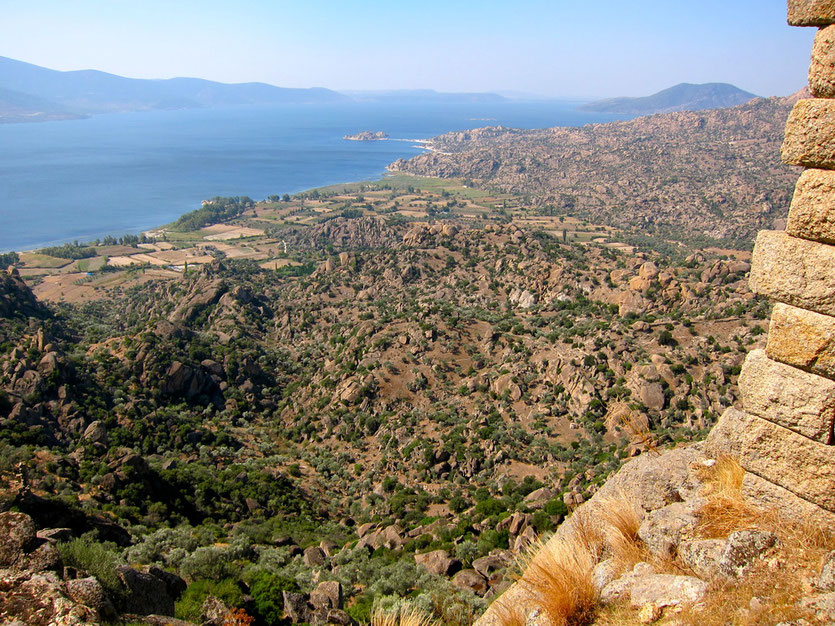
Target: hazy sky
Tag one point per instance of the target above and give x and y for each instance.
(549, 47)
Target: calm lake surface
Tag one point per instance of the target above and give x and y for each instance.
(124, 173)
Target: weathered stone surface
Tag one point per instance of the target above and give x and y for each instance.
(470, 579)
(810, 134)
(438, 562)
(295, 606)
(702, 556)
(175, 585)
(314, 557)
(17, 530)
(89, 592)
(826, 579)
(785, 395)
(822, 68)
(804, 339)
(603, 573)
(802, 466)
(327, 595)
(743, 549)
(339, 617)
(214, 611)
(651, 481)
(38, 600)
(794, 271)
(492, 563)
(822, 605)
(812, 212)
(667, 590)
(147, 594)
(621, 588)
(766, 494)
(43, 558)
(811, 12)
(662, 530)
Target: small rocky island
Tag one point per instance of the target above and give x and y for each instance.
(367, 135)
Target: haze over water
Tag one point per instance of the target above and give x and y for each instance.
(124, 173)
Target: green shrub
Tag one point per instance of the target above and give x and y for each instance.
(267, 598)
(188, 607)
(97, 559)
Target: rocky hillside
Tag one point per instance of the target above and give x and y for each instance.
(683, 97)
(697, 176)
(399, 410)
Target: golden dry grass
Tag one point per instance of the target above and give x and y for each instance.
(406, 616)
(725, 510)
(621, 519)
(507, 614)
(769, 592)
(559, 579)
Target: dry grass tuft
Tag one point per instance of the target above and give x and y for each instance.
(769, 592)
(559, 578)
(406, 616)
(508, 614)
(725, 510)
(621, 519)
(586, 532)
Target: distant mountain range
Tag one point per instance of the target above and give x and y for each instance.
(683, 97)
(33, 93)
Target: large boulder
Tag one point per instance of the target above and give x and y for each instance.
(89, 592)
(469, 579)
(146, 594)
(327, 595)
(438, 562)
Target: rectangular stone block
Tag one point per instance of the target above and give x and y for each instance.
(766, 494)
(812, 213)
(822, 68)
(794, 271)
(804, 339)
(781, 456)
(787, 396)
(811, 12)
(810, 134)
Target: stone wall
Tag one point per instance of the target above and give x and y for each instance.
(785, 435)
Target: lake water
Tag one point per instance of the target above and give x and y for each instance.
(124, 173)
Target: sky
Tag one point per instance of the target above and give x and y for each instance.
(554, 48)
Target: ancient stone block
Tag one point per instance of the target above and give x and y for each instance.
(822, 69)
(763, 493)
(800, 465)
(785, 395)
(811, 12)
(812, 213)
(795, 271)
(801, 338)
(810, 134)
